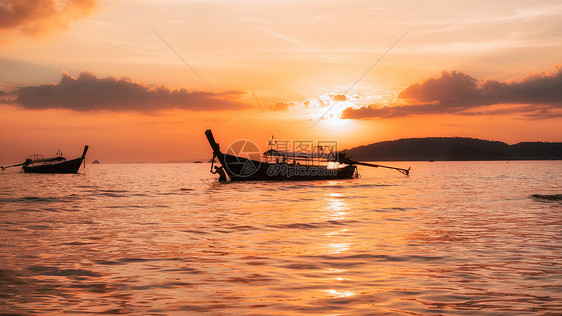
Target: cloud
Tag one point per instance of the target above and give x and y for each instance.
(458, 90)
(90, 93)
(36, 18)
(282, 106)
(451, 88)
(328, 99)
(338, 97)
(458, 93)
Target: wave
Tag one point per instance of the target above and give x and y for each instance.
(48, 270)
(32, 199)
(547, 197)
(309, 225)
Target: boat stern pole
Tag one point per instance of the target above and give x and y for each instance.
(401, 170)
(27, 161)
(348, 161)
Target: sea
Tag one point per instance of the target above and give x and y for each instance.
(453, 238)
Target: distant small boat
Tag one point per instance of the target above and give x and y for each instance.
(198, 161)
(284, 165)
(58, 164)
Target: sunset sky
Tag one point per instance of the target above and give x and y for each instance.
(142, 80)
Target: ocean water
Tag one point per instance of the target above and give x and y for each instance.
(454, 238)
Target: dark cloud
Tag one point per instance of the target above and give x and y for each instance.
(389, 111)
(90, 93)
(38, 17)
(455, 89)
(338, 97)
(535, 111)
(459, 93)
(7, 97)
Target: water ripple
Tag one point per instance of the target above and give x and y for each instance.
(452, 239)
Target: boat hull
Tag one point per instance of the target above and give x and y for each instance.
(70, 166)
(242, 169)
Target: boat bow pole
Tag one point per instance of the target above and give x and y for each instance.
(216, 149)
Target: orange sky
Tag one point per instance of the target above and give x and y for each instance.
(98, 73)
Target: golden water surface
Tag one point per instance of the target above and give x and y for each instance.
(453, 238)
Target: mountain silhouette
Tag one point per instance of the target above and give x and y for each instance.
(455, 149)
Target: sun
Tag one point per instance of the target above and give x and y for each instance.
(336, 122)
(330, 123)
(333, 113)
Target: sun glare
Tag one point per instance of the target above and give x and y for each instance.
(337, 123)
(331, 119)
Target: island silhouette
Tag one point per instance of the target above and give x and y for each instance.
(454, 149)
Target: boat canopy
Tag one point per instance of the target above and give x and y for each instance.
(54, 159)
(302, 155)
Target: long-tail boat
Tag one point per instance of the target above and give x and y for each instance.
(319, 164)
(58, 164)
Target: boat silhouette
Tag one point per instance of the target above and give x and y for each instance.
(303, 167)
(319, 164)
(58, 164)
